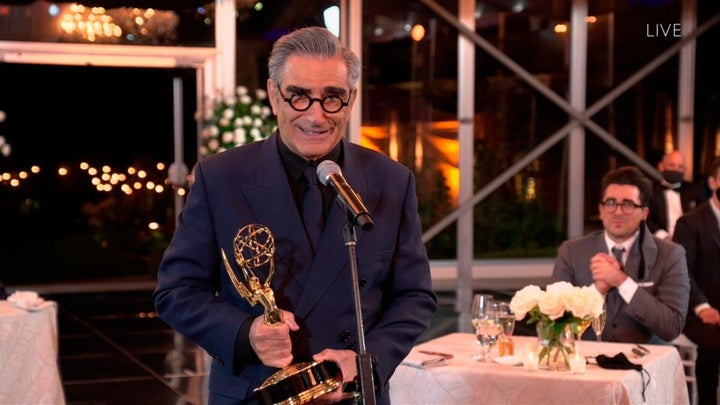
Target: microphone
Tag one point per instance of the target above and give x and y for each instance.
(329, 174)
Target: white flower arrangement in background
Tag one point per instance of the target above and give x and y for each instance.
(236, 121)
(5, 148)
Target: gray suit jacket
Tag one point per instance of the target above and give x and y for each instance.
(656, 313)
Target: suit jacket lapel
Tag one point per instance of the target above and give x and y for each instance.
(334, 260)
(270, 197)
(710, 220)
(650, 253)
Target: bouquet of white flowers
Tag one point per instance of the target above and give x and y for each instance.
(235, 121)
(561, 302)
(557, 310)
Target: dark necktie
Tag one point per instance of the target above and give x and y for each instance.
(313, 208)
(618, 251)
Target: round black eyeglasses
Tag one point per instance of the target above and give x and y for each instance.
(302, 102)
(628, 207)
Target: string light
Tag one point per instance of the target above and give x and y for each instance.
(106, 179)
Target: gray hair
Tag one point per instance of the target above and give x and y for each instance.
(315, 42)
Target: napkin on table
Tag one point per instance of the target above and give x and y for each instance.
(28, 300)
(424, 360)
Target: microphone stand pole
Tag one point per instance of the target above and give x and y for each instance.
(364, 360)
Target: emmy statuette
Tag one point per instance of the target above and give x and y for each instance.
(295, 384)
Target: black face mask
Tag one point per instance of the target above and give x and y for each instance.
(673, 177)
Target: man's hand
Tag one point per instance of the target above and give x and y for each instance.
(346, 361)
(272, 343)
(605, 269)
(710, 316)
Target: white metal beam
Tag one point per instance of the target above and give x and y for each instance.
(576, 140)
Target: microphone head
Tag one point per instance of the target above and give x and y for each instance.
(325, 169)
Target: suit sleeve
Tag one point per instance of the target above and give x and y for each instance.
(188, 281)
(563, 268)
(688, 238)
(664, 312)
(409, 300)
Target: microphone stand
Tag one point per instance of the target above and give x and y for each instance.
(364, 360)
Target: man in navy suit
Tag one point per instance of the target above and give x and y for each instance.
(312, 89)
(646, 287)
(699, 232)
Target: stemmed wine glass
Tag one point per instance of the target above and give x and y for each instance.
(484, 316)
(598, 324)
(580, 327)
(507, 323)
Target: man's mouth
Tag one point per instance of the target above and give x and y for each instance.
(313, 132)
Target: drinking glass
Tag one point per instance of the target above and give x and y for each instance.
(580, 327)
(483, 315)
(598, 324)
(506, 318)
(487, 334)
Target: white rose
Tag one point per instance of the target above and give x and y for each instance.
(245, 99)
(241, 90)
(228, 113)
(230, 100)
(576, 302)
(255, 109)
(560, 287)
(266, 111)
(552, 305)
(204, 151)
(223, 122)
(247, 120)
(525, 300)
(2, 140)
(257, 123)
(240, 135)
(5, 150)
(260, 94)
(213, 144)
(227, 137)
(213, 131)
(595, 301)
(255, 133)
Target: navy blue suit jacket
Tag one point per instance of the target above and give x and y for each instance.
(698, 232)
(249, 185)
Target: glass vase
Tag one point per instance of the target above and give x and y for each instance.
(556, 342)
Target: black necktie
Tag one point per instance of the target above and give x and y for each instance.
(618, 251)
(313, 207)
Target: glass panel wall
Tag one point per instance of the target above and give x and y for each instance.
(410, 108)
(409, 103)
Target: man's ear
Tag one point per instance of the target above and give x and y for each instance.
(713, 183)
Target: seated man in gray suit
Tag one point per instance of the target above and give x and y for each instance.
(644, 279)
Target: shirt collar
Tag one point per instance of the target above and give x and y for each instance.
(295, 164)
(626, 244)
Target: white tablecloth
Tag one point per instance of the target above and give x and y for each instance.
(466, 381)
(28, 356)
